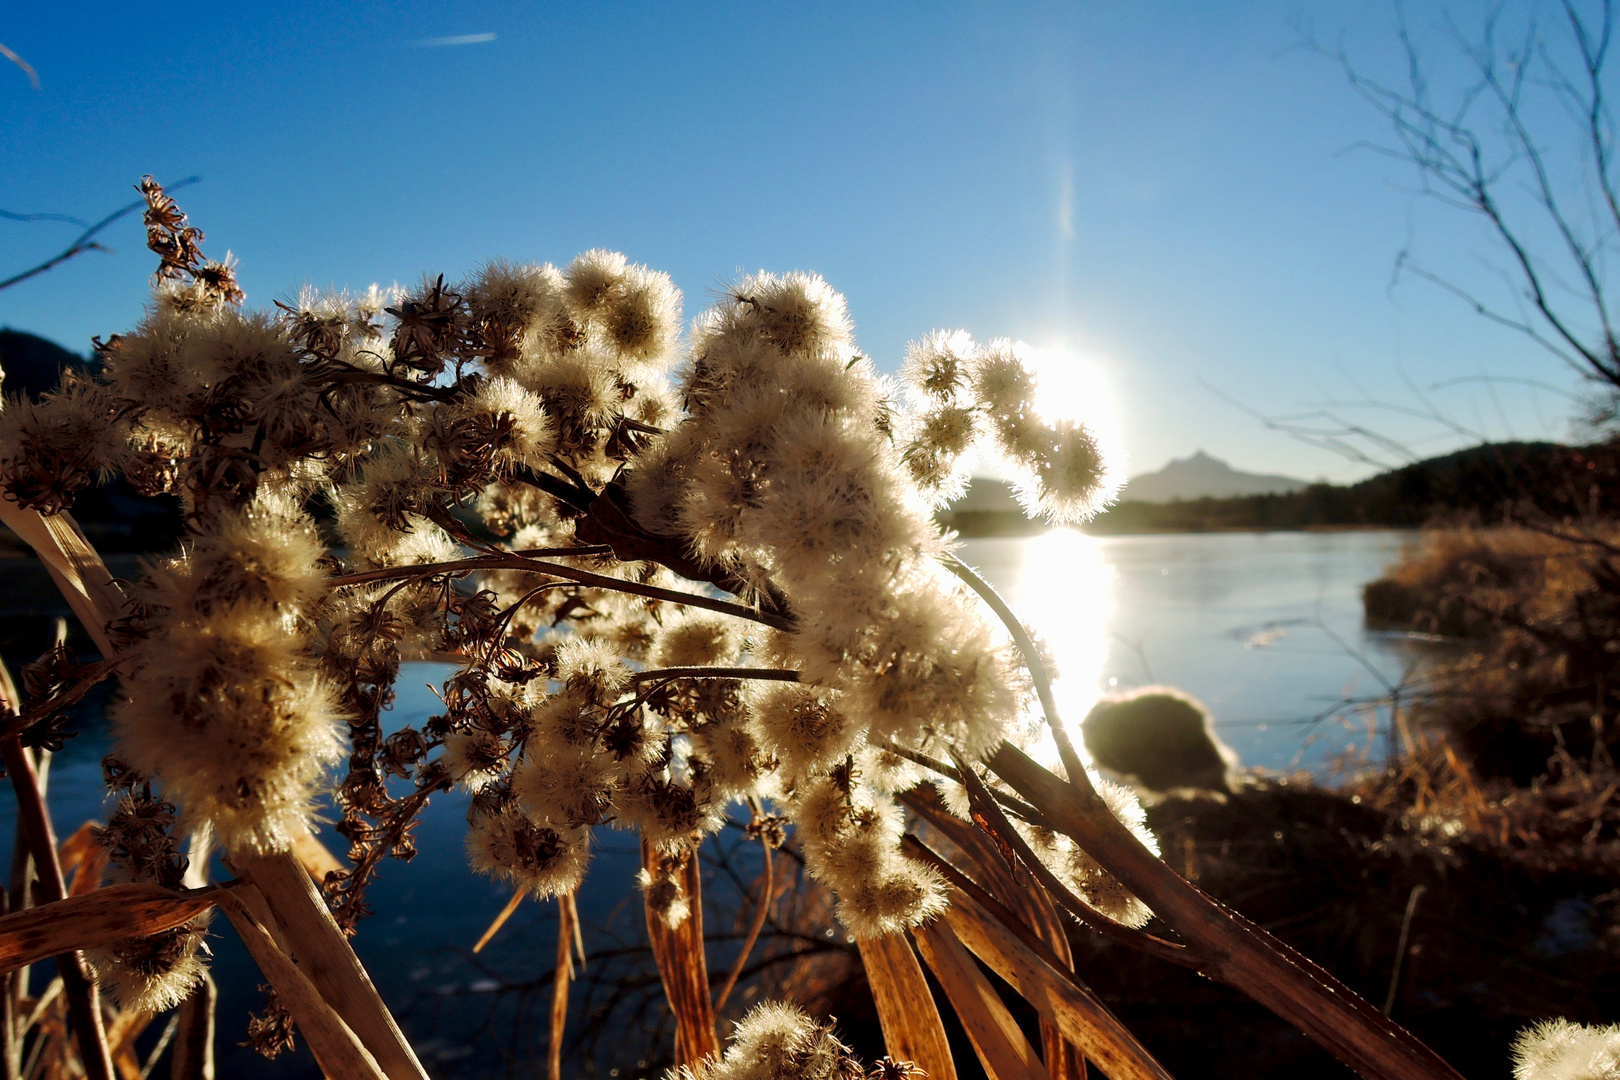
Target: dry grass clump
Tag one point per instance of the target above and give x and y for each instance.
(1536, 612)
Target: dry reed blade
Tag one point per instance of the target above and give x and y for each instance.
(562, 976)
(1079, 1015)
(912, 1029)
(324, 954)
(1229, 947)
(682, 965)
(499, 920)
(996, 1037)
(337, 1049)
(34, 830)
(316, 858)
(1064, 1061)
(1027, 912)
(126, 1027)
(762, 908)
(84, 856)
(122, 1032)
(73, 564)
(95, 920)
(193, 1055)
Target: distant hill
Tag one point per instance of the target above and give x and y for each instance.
(32, 364)
(1204, 477)
(988, 508)
(113, 515)
(1481, 483)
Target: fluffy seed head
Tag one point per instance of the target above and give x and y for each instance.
(543, 858)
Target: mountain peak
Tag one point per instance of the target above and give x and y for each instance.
(1204, 476)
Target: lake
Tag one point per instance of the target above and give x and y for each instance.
(1265, 629)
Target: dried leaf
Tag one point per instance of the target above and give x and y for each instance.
(324, 954)
(96, 920)
(912, 1029)
(84, 858)
(1000, 1043)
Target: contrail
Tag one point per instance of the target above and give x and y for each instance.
(459, 39)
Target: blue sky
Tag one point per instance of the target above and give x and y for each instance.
(1169, 192)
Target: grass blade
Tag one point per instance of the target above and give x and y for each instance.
(323, 953)
(567, 923)
(996, 1036)
(912, 1029)
(499, 921)
(337, 1049)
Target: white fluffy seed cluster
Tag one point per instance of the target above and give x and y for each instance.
(965, 396)
(1562, 1050)
(777, 1041)
(223, 703)
(153, 974)
(779, 460)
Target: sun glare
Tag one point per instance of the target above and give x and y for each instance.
(1066, 592)
(1076, 387)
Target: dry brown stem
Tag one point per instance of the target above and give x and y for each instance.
(912, 1029)
(1230, 948)
(996, 1037)
(78, 982)
(682, 966)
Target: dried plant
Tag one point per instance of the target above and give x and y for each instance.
(534, 473)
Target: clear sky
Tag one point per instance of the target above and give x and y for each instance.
(1168, 192)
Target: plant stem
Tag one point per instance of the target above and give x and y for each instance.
(570, 573)
(767, 890)
(698, 672)
(34, 824)
(1036, 665)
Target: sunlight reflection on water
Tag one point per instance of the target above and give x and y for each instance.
(1265, 629)
(1064, 589)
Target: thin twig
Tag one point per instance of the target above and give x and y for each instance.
(85, 240)
(698, 672)
(571, 573)
(1032, 660)
(95, 674)
(917, 757)
(767, 893)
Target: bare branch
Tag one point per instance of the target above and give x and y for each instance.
(86, 240)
